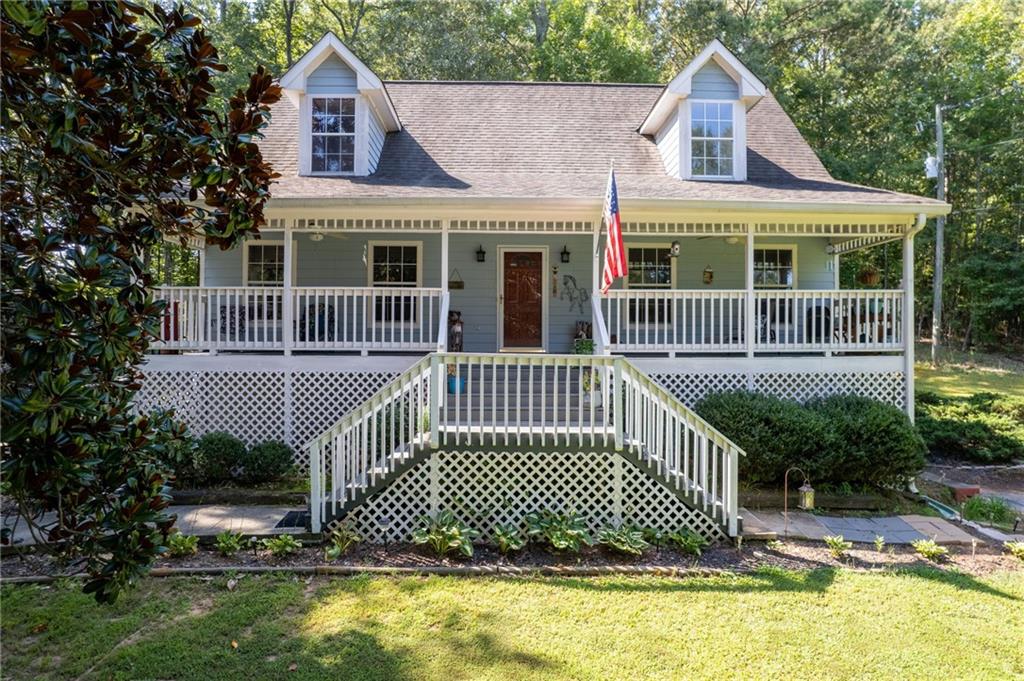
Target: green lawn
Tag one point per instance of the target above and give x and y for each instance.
(964, 374)
(825, 623)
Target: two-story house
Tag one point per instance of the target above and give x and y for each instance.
(402, 202)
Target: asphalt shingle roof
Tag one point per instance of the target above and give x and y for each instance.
(554, 140)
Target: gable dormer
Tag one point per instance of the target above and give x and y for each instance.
(699, 122)
(344, 111)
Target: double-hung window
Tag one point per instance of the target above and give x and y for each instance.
(333, 128)
(711, 140)
(775, 267)
(649, 268)
(264, 264)
(395, 265)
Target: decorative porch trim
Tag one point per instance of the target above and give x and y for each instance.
(866, 229)
(685, 228)
(525, 226)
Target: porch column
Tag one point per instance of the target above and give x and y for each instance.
(287, 313)
(835, 271)
(750, 327)
(442, 343)
(908, 319)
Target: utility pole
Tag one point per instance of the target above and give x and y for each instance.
(940, 229)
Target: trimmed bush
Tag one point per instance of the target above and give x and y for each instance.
(216, 456)
(872, 442)
(775, 434)
(984, 427)
(266, 462)
(842, 439)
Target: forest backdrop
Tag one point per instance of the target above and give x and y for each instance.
(860, 79)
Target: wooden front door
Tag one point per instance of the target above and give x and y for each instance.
(523, 299)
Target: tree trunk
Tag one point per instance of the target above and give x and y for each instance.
(289, 12)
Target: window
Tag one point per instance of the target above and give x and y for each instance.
(264, 264)
(775, 267)
(395, 264)
(333, 127)
(649, 267)
(711, 139)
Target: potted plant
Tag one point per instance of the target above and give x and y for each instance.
(869, 276)
(456, 384)
(591, 380)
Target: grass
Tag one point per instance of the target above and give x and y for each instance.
(964, 374)
(764, 625)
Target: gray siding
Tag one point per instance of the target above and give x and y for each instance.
(374, 140)
(668, 144)
(712, 82)
(332, 76)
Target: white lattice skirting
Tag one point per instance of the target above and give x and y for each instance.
(486, 489)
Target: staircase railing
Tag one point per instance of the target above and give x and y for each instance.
(452, 399)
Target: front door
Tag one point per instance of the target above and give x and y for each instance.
(522, 299)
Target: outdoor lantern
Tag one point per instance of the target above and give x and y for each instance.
(709, 275)
(565, 254)
(806, 496)
(481, 254)
(674, 249)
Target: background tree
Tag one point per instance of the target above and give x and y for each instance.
(108, 147)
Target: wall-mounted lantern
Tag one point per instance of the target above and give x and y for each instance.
(709, 275)
(481, 254)
(565, 254)
(675, 249)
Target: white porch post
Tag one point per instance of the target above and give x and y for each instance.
(908, 320)
(444, 257)
(287, 313)
(835, 271)
(596, 272)
(750, 330)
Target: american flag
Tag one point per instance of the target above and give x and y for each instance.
(614, 252)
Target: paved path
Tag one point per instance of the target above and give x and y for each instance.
(896, 529)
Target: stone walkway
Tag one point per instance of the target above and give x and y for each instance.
(901, 529)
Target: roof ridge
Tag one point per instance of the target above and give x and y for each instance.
(518, 82)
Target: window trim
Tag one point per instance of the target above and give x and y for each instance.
(689, 140)
(371, 314)
(267, 242)
(673, 283)
(739, 141)
(307, 128)
(776, 247)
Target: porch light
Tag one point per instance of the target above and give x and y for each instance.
(481, 254)
(806, 502)
(316, 236)
(806, 497)
(674, 249)
(565, 254)
(708, 276)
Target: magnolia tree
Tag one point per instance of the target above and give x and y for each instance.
(108, 148)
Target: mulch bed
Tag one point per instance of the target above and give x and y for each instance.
(791, 555)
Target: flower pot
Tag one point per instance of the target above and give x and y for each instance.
(869, 277)
(456, 385)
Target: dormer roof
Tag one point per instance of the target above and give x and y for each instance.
(294, 82)
(749, 87)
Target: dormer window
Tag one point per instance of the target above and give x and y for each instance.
(711, 139)
(333, 130)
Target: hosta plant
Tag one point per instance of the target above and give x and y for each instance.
(623, 539)
(560, 531)
(1016, 548)
(688, 542)
(930, 549)
(340, 541)
(281, 545)
(445, 534)
(229, 543)
(837, 546)
(180, 545)
(509, 539)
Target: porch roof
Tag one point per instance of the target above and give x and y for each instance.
(468, 140)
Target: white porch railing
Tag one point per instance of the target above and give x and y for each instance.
(665, 320)
(331, 318)
(464, 400)
(653, 320)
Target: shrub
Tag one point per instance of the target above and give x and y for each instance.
(180, 545)
(216, 455)
(560, 531)
(872, 442)
(991, 510)
(837, 546)
(267, 461)
(774, 433)
(445, 534)
(229, 543)
(281, 545)
(983, 427)
(930, 549)
(1015, 548)
(340, 541)
(623, 539)
(508, 538)
(879, 543)
(689, 542)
